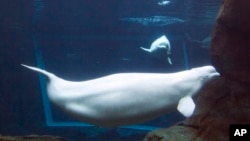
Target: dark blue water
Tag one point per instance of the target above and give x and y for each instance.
(86, 39)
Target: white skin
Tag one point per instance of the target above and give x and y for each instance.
(160, 43)
(125, 98)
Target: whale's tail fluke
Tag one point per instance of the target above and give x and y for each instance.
(48, 74)
(145, 49)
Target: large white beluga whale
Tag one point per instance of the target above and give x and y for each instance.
(160, 45)
(127, 98)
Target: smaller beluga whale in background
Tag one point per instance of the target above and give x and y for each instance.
(160, 45)
(127, 98)
(205, 43)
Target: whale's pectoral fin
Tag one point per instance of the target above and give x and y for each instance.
(169, 60)
(186, 106)
(145, 49)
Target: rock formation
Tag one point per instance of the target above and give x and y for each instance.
(31, 138)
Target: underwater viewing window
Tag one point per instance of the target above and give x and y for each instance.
(80, 37)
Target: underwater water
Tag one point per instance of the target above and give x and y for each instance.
(83, 39)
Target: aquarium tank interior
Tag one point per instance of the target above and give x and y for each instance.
(85, 39)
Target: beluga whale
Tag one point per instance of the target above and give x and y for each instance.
(205, 43)
(127, 98)
(160, 45)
